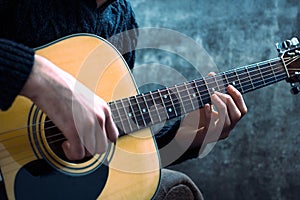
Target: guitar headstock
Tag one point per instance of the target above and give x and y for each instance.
(289, 52)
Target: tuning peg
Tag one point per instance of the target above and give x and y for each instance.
(287, 44)
(295, 90)
(294, 42)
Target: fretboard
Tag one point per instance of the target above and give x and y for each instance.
(143, 110)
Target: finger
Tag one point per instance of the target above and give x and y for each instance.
(87, 153)
(211, 73)
(89, 133)
(100, 135)
(232, 109)
(208, 115)
(73, 151)
(221, 107)
(224, 122)
(238, 99)
(73, 146)
(111, 128)
(101, 142)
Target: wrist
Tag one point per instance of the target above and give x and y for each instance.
(34, 81)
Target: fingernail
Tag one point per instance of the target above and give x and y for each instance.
(207, 107)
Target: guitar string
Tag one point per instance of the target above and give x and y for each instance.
(266, 82)
(30, 151)
(248, 83)
(19, 154)
(52, 141)
(58, 134)
(143, 121)
(207, 80)
(17, 160)
(175, 88)
(51, 127)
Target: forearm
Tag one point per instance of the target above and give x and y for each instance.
(16, 63)
(83, 117)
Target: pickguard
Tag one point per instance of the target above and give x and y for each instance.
(37, 180)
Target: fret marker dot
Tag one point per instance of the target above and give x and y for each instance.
(170, 109)
(194, 95)
(130, 115)
(233, 83)
(144, 110)
(165, 96)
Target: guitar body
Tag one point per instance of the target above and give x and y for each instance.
(31, 164)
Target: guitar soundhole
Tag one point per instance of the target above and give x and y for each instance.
(55, 139)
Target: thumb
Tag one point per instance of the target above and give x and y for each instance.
(73, 151)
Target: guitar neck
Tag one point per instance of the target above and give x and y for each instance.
(143, 110)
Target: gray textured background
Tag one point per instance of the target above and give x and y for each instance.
(261, 158)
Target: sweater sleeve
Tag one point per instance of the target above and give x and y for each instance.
(16, 61)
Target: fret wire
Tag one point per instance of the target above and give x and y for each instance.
(168, 104)
(156, 108)
(181, 100)
(189, 95)
(118, 110)
(244, 79)
(141, 112)
(126, 115)
(215, 79)
(238, 79)
(231, 78)
(252, 83)
(208, 98)
(256, 74)
(192, 91)
(279, 70)
(133, 113)
(261, 73)
(268, 83)
(148, 108)
(161, 102)
(267, 72)
(171, 98)
(164, 106)
(248, 74)
(197, 90)
(210, 89)
(227, 81)
(144, 111)
(263, 65)
(272, 71)
(113, 111)
(222, 84)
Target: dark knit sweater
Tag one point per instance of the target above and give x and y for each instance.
(27, 24)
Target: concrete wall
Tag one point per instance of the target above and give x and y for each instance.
(261, 158)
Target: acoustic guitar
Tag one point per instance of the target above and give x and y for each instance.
(31, 158)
